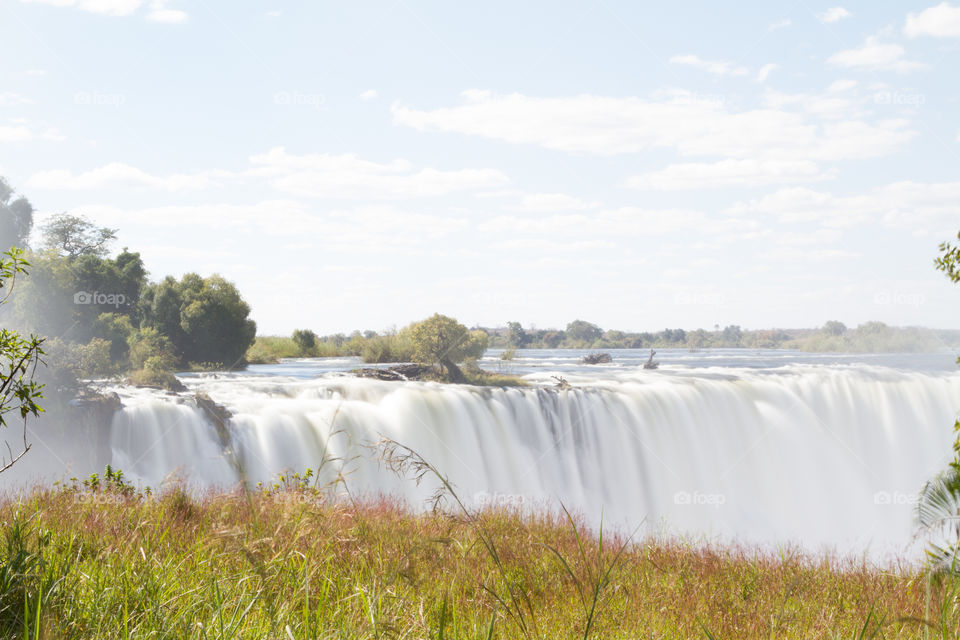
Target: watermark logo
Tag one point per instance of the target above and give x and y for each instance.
(96, 99)
(114, 299)
(484, 499)
(97, 498)
(900, 98)
(299, 498)
(698, 498)
(298, 99)
(895, 498)
(899, 298)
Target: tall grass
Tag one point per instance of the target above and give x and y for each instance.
(270, 349)
(290, 561)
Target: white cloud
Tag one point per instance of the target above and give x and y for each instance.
(941, 21)
(623, 222)
(160, 13)
(691, 126)
(369, 94)
(728, 173)
(24, 133)
(773, 26)
(839, 86)
(765, 71)
(928, 207)
(836, 103)
(118, 174)
(346, 176)
(359, 229)
(554, 202)
(716, 67)
(320, 175)
(876, 56)
(10, 99)
(833, 14)
(793, 255)
(104, 7)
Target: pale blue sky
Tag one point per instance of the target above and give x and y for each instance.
(638, 165)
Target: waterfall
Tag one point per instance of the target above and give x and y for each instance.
(821, 455)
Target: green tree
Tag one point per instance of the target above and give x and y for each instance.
(949, 260)
(65, 296)
(834, 328)
(733, 335)
(698, 339)
(938, 507)
(160, 307)
(583, 331)
(16, 217)
(75, 236)
(116, 329)
(442, 340)
(19, 358)
(305, 340)
(147, 344)
(552, 339)
(206, 319)
(516, 336)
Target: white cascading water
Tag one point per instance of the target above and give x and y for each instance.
(817, 455)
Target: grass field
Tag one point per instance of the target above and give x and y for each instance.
(106, 562)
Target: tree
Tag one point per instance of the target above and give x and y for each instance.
(304, 339)
(516, 336)
(205, 318)
(949, 260)
(147, 344)
(938, 506)
(16, 217)
(74, 236)
(116, 329)
(215, 322)
(552, 339)
(442, 340)
(19, 358)
(66, 296)
(698, 339)
(582, 331)
(834, 328)
(733, 335)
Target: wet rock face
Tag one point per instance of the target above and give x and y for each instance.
(597, 358)
(398, 373)
(99, 404)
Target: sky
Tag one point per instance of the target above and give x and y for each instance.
(638, 165)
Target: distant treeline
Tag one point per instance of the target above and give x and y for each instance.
(834, 336)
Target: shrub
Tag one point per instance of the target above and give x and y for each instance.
(305, 340)
(149, 343)
(396, 347)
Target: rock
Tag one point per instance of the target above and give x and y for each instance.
(399, 373)
(597, 358)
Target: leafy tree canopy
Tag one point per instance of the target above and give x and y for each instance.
(16, 217)
(75, 236)
(583, 331)
(442, 340)
(304, 339)
(205, 318)
(19, 358)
